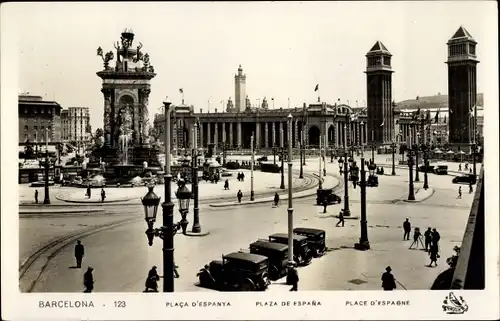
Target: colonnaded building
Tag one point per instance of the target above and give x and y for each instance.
(381, 122)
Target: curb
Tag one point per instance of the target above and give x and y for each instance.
(423, 199)
(95, 202)
(270, 199)
(50, 250)
(61, 211)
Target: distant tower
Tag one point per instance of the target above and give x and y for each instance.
(240, 92)
(462, 89)
(379, 92)
(126, 89)
(229, 106)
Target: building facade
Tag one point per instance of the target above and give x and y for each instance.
(462, 90)
(75, 125)
(126, 88)
(38, 117)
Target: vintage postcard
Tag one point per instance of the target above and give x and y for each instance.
(249, 160)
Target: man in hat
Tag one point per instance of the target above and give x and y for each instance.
(407, 229)
(151, 281)
(88, 280)
(388, 280)
(79, 253)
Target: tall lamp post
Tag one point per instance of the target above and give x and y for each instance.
(290, 197)
(373, 147)
(252, 197)
(347, 212)
(417, 177)
(411, 193)
(301, 175)
(393, 146)
(46, 199)
(196, 211)
(169, 229)
(425, 150)
(282, 154)
(363, 244)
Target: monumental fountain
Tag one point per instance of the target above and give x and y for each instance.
(126, 152)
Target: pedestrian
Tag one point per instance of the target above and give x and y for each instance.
(176, 273)
(470, 188)
(459, 192)
(226, 185)
(36, 196)
(103, 195)
(152, 280)
(88, 280)
(428, 238)
(466, 166)
(433, 253)
(388, 280)
(435, 237)
(341, 218)
(293, 279)
(417, 237)
(79, 253)
(459, 167)
(470, 170)
(276, 199)
(88, 191)
(239, 177)
(325, 204)
(239, 195)
(407, 229)
(242, 176)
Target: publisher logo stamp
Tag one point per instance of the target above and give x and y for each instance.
(454, 305)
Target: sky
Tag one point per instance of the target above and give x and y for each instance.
(285, 49)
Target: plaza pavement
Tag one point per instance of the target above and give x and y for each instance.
(264, 183)
(232, 229)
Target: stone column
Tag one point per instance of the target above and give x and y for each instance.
(224, 132)
(174, 135)
(257, 135)
(325, 135)
(209, 135)
(306, 135)
(231, 134)
(238, 134)
(216, 134)
(201, 135)
(274, 133)
(144, 117)
(296, 133)
(266, 137)
(282, 139)
(107, 115)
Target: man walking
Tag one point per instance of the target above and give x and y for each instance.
(36, 196)
(152, 280)
(88, 191)
(459, 192)
(293, 279)
(435, 237)
(388, 280)
(341, 218)
(325, 204)
(103, 195)
(470, 188)
(407, 229)
(88, 280)
(433, 253)
(239, 195)
(79, 253)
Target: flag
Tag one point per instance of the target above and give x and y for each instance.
(381, 125)
(181, 90)
(316, 88)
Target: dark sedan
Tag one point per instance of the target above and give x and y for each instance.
(464, 179)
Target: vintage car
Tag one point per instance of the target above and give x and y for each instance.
(315, 239)
(466, 179)
(236, 272)
(441, 170)
(225, 173)
(276, 253)
(428, 168)
(302, 254)
(328, 193)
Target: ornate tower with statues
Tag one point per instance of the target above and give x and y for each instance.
(379, 92)
(462, 91)
(126, 89)
(240, 95)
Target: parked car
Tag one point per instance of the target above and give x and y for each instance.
(441, 170)
(428, 168)
(302, 254)
(236, 271)
(226, 173)
(315, 239)
(232, 165)
(467, 179)
(276, 253)
(328, 193)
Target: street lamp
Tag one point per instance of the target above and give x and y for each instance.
(411, 194)
(354, 173)
(282, 154)
(252, 197)
(425, 149)
(347, 212)
(393, 146)
(364, 244)
(194, 162)
(290, 197)
(46, 199)
(301, 175)
(183, 195)
(417, 177)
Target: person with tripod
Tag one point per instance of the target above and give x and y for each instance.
(417, 237)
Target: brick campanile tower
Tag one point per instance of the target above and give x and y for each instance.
(240, 90)
(462, 91)
(379, 92)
